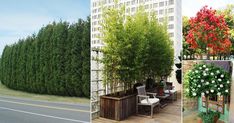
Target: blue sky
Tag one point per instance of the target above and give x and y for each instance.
(20, 18)
(191, 7)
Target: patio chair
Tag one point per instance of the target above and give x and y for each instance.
(169, 89)
(144, 100)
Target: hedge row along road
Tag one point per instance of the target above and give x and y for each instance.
(54, 61)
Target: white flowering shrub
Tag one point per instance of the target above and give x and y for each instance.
(208, 80)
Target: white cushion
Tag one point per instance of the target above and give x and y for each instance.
(171, 91)
(151, 101)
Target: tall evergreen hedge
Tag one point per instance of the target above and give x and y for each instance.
(55, 61)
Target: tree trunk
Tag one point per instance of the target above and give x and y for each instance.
(208, 56)
(200, 56)
(206, 104)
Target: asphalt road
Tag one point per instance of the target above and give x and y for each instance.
(16, 110)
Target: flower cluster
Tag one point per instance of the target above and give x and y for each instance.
(209, 30)
(208, 80)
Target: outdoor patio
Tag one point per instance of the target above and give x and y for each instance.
(169, 114)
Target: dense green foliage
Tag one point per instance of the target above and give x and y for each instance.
(55, 61)
(209, 80)
(208, 117)
(136, 48)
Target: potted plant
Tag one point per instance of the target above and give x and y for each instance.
(208, 80)
(210, 117)
(130, 56)
(161, 88)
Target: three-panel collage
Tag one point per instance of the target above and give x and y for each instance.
(116, 61)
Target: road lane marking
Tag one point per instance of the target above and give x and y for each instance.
(43, 115)
(44, 101)
(44, 106)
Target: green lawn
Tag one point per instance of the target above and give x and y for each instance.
(4, 91)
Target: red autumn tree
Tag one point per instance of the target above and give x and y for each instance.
(209, 32)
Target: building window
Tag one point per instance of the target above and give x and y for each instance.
(127, 10)
(161, 4)
(133, 2)
(161, 19)
(171, 34)
(171, 2)
(141, 1)
(128, 3)
(171, 18)
(155, 5)
(171, 26)
(161, 12)
(146, 6)
(133, 9)
(170, 10)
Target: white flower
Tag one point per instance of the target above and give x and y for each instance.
(212, 74)
(207, 83)
(202, 93)
(220, 80)
(202, 80)
(228, 82)
(199, 76)
(207, 92)
(213, 81)
(196, 71)
(204, 65)
(207, 69)
(215, 76)
(222, 76)
(218, 93)
(204, 74)
(193, 89)
(194, 94)
(212, 91)
(217, 71)
(218, 88)
(226, 91)
(199, 86)
(215, 85)
(200, 68)
(221, 85)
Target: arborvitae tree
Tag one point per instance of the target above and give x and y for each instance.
(68, 57)
(76, 61)
(85, 53)
(54, 61)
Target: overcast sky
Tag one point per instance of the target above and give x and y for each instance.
(191, 7)
(21, 18)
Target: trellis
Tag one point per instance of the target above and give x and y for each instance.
(97, 87)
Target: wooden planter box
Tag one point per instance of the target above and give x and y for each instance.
(117, 108)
